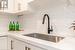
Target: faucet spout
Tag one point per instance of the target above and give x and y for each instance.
(46, 15)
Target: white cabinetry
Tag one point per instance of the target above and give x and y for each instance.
(10, 8)
(15, 44)
(20, 5)
(19, 45)
(3, 43)
(16, 6)
(32, 47)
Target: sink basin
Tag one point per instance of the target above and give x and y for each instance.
(51, 38)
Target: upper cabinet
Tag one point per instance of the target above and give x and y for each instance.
(14, 6)
(9, 4)
(3, 4)
(20, 5)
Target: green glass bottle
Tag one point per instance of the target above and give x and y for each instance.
(17, 26)
(10, 26)
(13, 26)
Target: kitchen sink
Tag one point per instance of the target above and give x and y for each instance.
(50, 38)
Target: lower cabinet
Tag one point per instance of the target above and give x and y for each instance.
(14, 44)
(19, 45)
(3, 43)
(32, 47)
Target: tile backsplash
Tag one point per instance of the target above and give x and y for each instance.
(61, 18)
(4, 21)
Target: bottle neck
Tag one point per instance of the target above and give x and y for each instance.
(13, 23)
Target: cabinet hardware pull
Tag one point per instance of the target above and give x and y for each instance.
(11, 44)
(26, 48)
(29, 49)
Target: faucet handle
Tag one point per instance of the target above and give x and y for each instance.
(51, 28)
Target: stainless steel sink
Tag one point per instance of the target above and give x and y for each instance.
(45, 37)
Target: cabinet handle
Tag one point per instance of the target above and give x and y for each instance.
(11, 44)
(29, 49)
(26, 48)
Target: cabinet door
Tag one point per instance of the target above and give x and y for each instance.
(32, 47)
(16, 45)
(10, 8)
(3, 43)
(20, 5)
(9, 43)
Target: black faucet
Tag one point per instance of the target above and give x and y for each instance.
(49, 30)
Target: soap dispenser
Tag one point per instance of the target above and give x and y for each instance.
(17, 26)
(10, 26)
(13, 26)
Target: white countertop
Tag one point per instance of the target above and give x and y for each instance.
(3, 34)
(68, 43)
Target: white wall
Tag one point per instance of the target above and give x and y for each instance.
(61, 18)
(4, 22)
